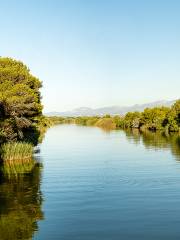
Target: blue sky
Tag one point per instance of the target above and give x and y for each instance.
(96, 53)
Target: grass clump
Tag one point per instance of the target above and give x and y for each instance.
(16, 151)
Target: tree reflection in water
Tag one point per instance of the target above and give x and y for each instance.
(156, 140)
(20, 204)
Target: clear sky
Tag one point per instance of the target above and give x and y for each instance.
(96, 53)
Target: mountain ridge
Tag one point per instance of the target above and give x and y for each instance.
(112, 110)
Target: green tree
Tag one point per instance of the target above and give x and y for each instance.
(20, 99)
(132, 120)
(155, 118)
(173, 117)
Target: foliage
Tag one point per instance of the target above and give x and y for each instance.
(119, 121)
(173, 117)
(20, 100)
(92, 121)
(81, 120)
(132, 120)
(157, 118)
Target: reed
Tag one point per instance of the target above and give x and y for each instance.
(16, 151)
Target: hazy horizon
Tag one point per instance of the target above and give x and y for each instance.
(96, 53)
(120, 106)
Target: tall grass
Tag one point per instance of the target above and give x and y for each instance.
(17, 151)
(16, 158)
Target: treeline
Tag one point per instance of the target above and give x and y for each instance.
(157, 118)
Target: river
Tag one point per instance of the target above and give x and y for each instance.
(93, 184)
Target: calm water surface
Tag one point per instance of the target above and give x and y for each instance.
(96, 185)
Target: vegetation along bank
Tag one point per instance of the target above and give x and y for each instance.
(157, 118)
(22, 124)
(21, 119)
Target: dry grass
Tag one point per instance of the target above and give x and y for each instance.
(106, 123)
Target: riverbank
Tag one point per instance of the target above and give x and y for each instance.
(159, 118)
(162, 119)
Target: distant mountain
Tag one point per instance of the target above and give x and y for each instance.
(112, 110)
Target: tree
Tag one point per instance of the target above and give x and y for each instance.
(155, 118)
(173, 118)
(20, 99)
(132, 119)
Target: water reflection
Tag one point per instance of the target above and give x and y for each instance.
(12, 169)
(20, 204)
(156, 140)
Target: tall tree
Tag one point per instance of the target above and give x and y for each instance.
(20, 99)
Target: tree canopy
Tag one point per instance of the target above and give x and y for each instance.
(20, 100)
